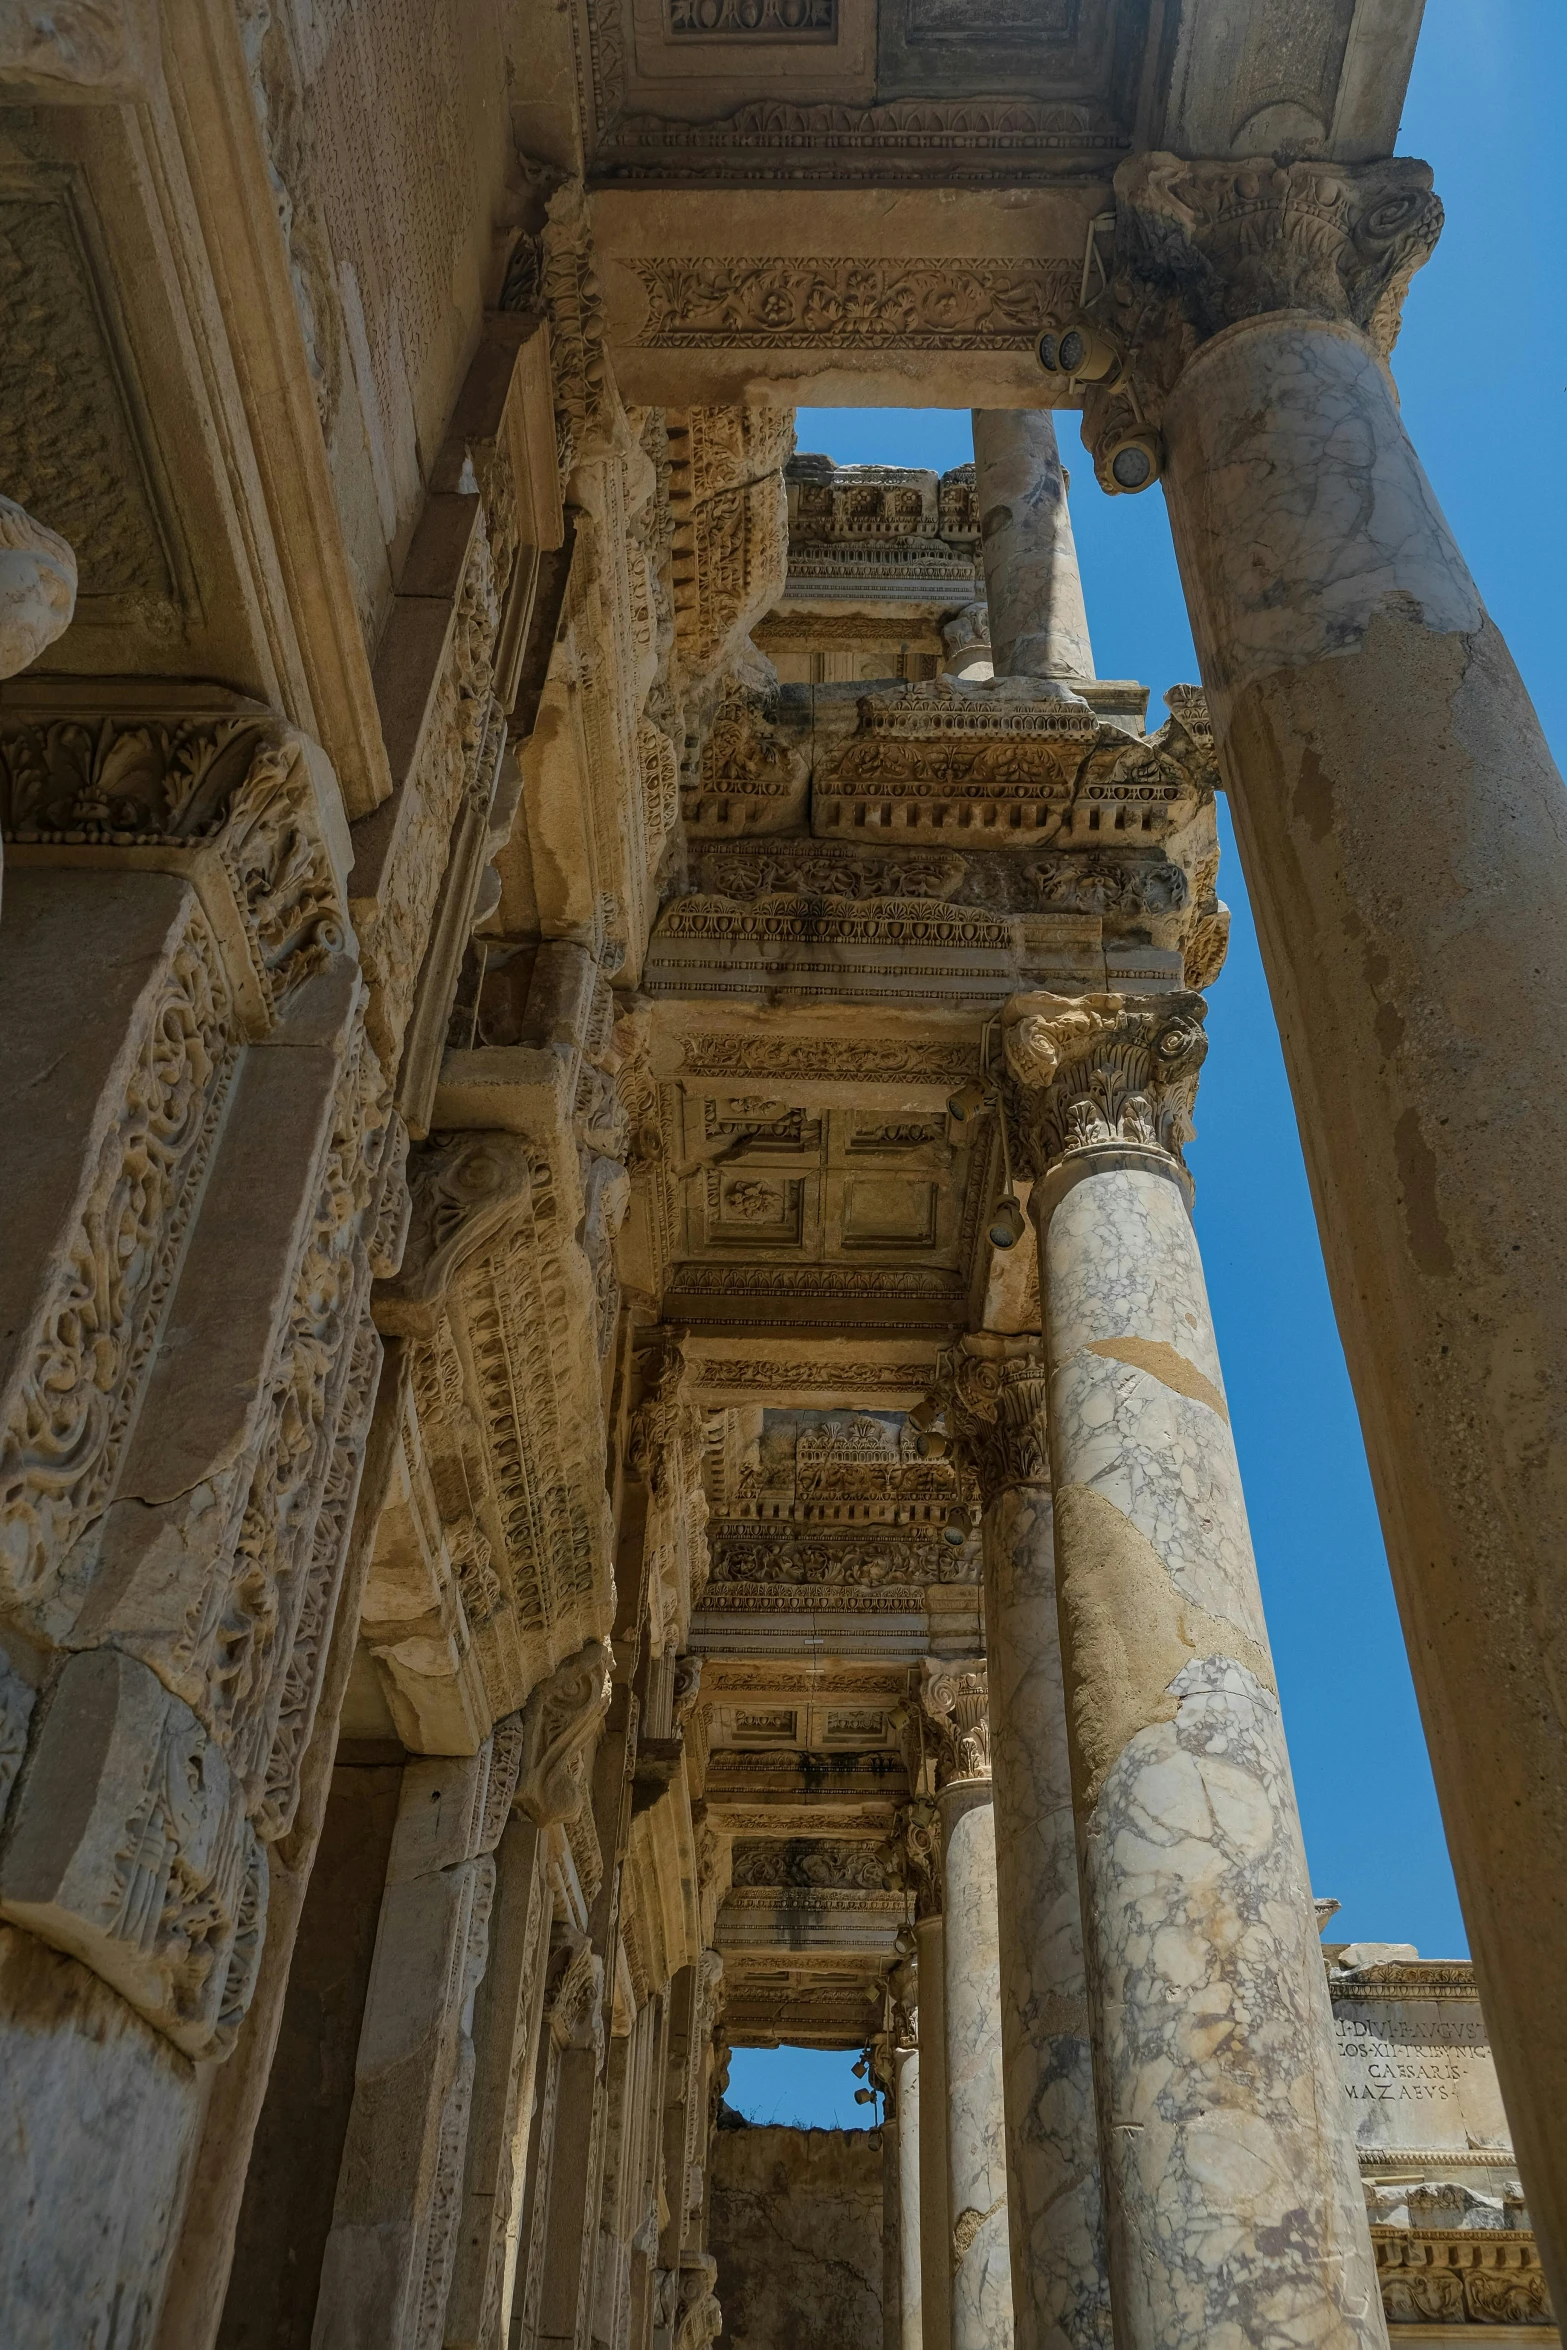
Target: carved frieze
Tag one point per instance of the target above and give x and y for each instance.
(818, 1863)
(1433, 2276)
(850, 303)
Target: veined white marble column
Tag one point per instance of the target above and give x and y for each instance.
(1060, 2288)
(935, 2206)
(1403, 829)
(1038, 623)
(1233, 2199)
(954, 1698)
(906, 2074)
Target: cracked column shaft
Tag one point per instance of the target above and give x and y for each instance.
(1233, 2202)
(1038, 622)
(1403, 831)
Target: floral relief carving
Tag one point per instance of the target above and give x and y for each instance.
(242, 788)
(856, 304)
(956, 1703)
(72, 1396)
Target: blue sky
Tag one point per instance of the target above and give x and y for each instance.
(1482, 368)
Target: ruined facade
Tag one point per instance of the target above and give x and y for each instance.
(610, 1439)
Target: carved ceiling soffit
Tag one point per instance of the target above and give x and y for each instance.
(1096, 1071)
(240, 802)
(1199, 246)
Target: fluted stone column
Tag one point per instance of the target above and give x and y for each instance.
(954, 1699)
(1038, 623)
(1233, 2201)
(1403, 830)
(1060, 2290)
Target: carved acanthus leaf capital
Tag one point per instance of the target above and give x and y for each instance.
(913, 1853)
(1093, 1072)
(956, 1700)
(1199, 246)
(994, 1400)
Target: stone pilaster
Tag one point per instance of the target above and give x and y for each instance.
(996, 1406)
(1400, 822)
(954, 1701)
(1233, 2203)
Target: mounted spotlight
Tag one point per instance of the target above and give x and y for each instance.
(958, 1526)
(933, 1445)
(1085, 354)
(1049, 350)
(970, 1098)
(925, 1415)
(1130, 463)
(1006, 1225)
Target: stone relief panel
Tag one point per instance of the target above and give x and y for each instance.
(72, 448)
(862, 303)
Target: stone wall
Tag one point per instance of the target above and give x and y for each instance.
(796, 2227)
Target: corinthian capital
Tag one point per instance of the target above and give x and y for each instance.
(1098, 1072)
(956, 1700)
(993, 1392)
(1200, 246)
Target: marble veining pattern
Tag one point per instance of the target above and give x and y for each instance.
(976, 2145)
(1061, 2293)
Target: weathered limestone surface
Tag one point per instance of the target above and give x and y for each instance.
(1356, 681)
(518, 1420)
(796, 2227)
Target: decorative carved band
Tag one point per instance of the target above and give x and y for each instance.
(855, 304)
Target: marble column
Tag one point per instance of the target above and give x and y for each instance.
(1038, 624)
(1233, 2202)
(1060, 2289)
(906, 2106)
(935, 2207)
(954, 1700)
(1404, 835)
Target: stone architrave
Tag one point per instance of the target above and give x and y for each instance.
(1400, 823)
(995, 1392)
(1233, 2205)
(954, 1700)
